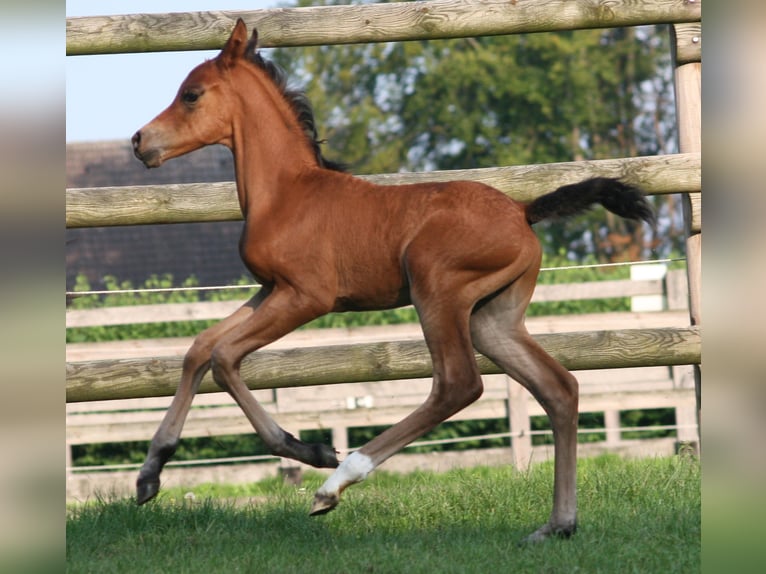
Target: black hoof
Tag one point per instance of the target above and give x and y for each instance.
(547, 532)
(323, 503)
(146, 489)
(317, 455)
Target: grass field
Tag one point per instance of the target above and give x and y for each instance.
(639, 516)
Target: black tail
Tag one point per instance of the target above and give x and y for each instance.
(620, 198)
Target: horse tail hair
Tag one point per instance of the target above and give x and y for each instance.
(623, 199)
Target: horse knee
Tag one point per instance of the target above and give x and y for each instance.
(221, 365)
(200, 350)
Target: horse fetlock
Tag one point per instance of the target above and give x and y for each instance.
(317, 455)
(325, 456)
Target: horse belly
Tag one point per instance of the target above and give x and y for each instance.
(368, 281)
(378, 303)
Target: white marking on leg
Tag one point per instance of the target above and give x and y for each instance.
(354, 468)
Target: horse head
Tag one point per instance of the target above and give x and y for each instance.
(202, 111)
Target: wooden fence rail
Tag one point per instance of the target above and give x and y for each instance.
(396, 21)
(129, 378)
(197, 202)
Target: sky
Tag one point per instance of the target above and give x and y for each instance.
(109, 97)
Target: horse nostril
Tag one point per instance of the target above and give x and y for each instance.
(136, 139)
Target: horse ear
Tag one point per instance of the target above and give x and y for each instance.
(235, 46)
(252, 44)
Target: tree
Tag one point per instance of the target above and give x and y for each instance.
(502, 100)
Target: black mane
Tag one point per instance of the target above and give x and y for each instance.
(300, 105)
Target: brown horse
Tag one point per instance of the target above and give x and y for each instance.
(320, 240)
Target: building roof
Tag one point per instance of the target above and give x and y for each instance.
(208, 251)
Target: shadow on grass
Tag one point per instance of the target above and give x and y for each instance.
(633, 519)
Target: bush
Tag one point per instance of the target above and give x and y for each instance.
(387, 317)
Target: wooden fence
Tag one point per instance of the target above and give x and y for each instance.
(92, 380)
(343, 406)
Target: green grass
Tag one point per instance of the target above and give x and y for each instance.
(638, 516)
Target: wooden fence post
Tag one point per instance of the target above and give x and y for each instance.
(340, 439)
(519, 425)
(612, 426)
(686, 46)
(676, 287)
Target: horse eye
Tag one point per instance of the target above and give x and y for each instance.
(190, 97)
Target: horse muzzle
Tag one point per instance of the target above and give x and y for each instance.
(150, 156)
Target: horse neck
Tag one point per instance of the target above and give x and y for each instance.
(269, 146)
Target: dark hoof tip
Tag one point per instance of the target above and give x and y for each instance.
(547, 532)
(323, 503)
(146, 489)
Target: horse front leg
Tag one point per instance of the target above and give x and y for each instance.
(196, 364)
(166, 438)
(281, 312)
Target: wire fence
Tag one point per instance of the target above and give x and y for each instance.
(423, 443)
(141, 291)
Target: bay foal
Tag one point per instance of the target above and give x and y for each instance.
(320, 240)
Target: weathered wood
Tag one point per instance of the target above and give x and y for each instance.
(688, 88)
(687, 43)
(694, 259)
(688, 81)
(519, 424)
(677, 289)
(196, 202)
(130, 378)
(365, 23)
(688, 84)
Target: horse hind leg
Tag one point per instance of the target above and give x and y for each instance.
(498, 332)
(456, 384)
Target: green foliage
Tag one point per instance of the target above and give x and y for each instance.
(645, 418)
(495, 100)
(580, 275)
(501, 100)
(337, 320)
(635, 516)
(147, 330)
(192, 448)
(539, 424)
